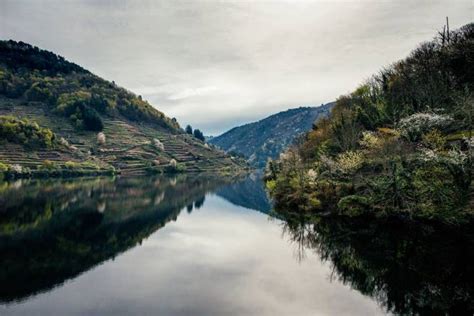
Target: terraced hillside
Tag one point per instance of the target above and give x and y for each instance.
(92, 120)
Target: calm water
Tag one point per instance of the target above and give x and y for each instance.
(208, 246)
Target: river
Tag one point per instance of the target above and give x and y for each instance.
(201, 245)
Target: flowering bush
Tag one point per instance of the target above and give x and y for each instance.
(370, 140)
(453, 157)
(414, 126)
(158, 144)
(350, 161)
(469, 142)
(3, 167)
(101, 138)
(16, 168)
(173, 163)
(64, 142)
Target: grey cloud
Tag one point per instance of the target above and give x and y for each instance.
(214, 64)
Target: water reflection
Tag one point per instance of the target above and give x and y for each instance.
(51, 231)
(248, 192)
(218, 258)
(114, 246)
(408, 269)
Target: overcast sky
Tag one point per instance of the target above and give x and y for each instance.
(217, 64)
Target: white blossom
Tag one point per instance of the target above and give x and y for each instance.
(173, 163)
(158, 144)
(101, 138)
(312, 175)
(469, 141)
(64, 142)
(413, 126)
(16, 168)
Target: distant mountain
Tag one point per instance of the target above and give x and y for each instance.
(249, 193)
(57, 116)
(269, 137)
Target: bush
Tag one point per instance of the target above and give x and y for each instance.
(199, 135)
(353, 205)
(189, 129)
(414, 126)
(25, 132)
(49, 165)
(91, 119)
(4, 167)
(159, 145)
(101, 138)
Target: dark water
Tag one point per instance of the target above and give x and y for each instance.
(202, 245)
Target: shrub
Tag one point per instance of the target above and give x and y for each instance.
(199, 135)
(159, 145)
(91, 119)
(173, 163)
(101, 138)
(64, 142)
(189, 129)
(49, 165)
(434, 140)
(173, 167)
(370, 140)
(4, 167)
(350, 161)
(414, 126)
(25, 132)
(353, 205)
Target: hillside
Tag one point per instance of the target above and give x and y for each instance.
(57, 117)
(269, 137)
(401, 145)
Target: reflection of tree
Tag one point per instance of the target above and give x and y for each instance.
(409, 270)
(199, 202)
(52, 231)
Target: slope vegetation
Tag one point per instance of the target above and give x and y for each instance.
(400, 145)
(87, 119)
(267, 138)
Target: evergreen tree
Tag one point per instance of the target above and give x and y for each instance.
(189, 129)
(199, 135)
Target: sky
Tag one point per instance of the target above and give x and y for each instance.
(218, 64)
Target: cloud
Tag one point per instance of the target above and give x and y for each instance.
(192, 92)
(214, 64)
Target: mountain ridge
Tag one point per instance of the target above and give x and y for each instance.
(268, 137)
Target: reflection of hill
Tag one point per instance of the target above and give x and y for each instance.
(415, 270)
(249, 193)
(53, 231)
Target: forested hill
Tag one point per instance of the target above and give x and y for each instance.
(56, 116)
(400, 145)
(267, 138)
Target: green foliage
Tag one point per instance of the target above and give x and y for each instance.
(189, 129)
(71, 91)
(198, 134)
(91, 119)
(354, 205)
(394, 147)
(49, 165)
(25, 132)
(80, 107)
(4, 167)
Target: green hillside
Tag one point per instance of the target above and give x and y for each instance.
(59, 118)
(400, 145)
(270, 136)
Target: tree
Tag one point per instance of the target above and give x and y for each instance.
(91, 119)
(189, 129)
(199, 135)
